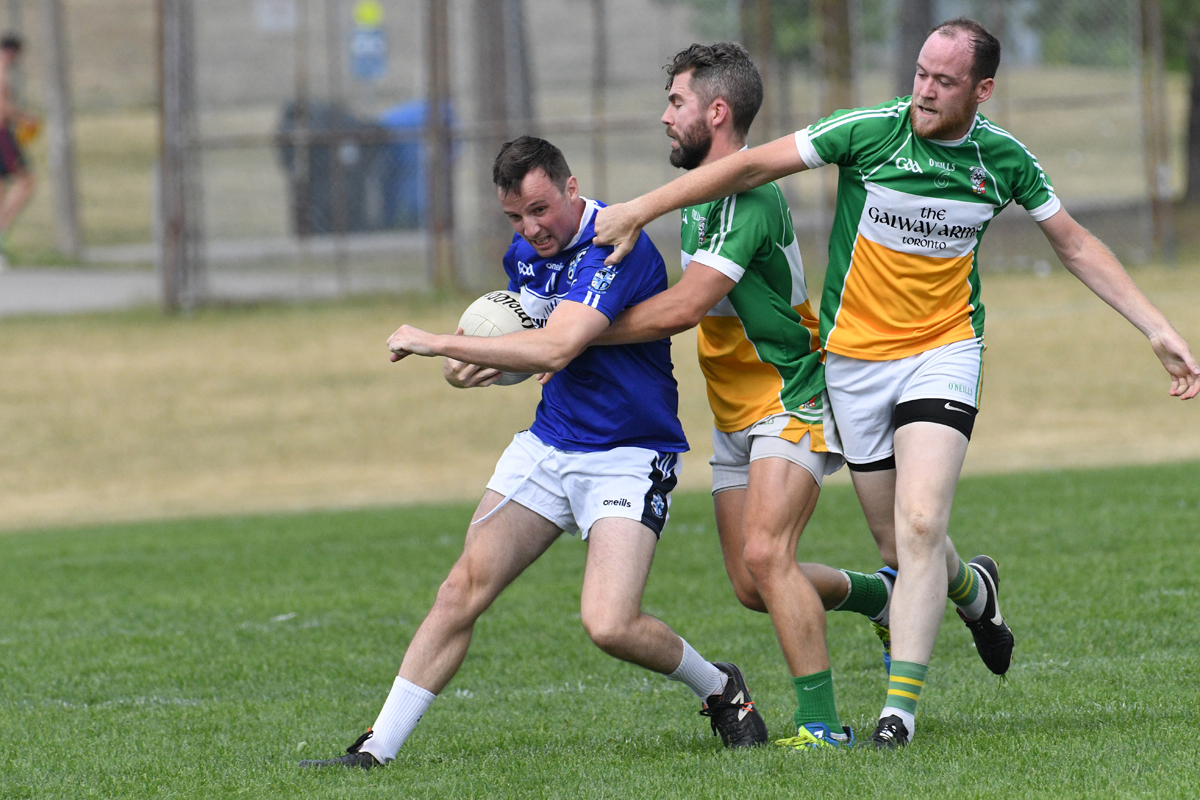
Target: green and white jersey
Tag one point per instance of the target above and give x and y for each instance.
(758, 347)
(903, 275)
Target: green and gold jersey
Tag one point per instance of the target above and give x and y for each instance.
(903, 275)
(758, 346)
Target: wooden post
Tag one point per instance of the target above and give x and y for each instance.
(179, 256)
(916, 18)
(599, 187)
(491, 107)
(836, 55)
(60, 138)
(439, 171)
(1154, 116)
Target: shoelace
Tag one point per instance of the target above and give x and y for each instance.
(360, 741)
(888, 733)
(722, 714)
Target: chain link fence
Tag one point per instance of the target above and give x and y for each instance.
(303, 126)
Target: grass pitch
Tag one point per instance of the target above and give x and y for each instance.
(204, 658)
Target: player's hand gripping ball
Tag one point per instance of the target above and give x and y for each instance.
(495, 314)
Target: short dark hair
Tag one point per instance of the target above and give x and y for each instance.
(722, 70)
(523, 155)
(985, 48)
(11, 40)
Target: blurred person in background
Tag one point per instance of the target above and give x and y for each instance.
(17, 127)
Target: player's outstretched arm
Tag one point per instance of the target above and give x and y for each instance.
(1088, 259)
(620, 224)
(667, 313)
(569, 330)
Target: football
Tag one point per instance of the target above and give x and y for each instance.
(495, 314)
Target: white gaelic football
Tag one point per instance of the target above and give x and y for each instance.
(495, 314)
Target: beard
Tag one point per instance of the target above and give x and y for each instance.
(941, 126)
(694, 144)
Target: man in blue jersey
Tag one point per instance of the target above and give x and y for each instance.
(601, 457)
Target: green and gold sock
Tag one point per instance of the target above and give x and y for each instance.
(905, 683)
(814, 700)
(966, 591)
(868, 594)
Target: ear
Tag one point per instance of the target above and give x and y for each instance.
(572, 188)
(984, 89)
(719, 113)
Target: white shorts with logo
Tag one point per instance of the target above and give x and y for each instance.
(864, 394)
(575, 489)
(733, 452)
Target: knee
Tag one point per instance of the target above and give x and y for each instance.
(764, 557)
(608, 630)
(924, 528)
(460, 593)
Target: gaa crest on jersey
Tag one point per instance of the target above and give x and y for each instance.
(603, 278)
(978, 180)
(658, 506)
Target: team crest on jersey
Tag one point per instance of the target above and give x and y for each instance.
(700, 226)
(603, 278)
(813, 403)
(978, 180)
(658, 506)
(574, 263)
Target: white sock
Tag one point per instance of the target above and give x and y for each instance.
(975, 610)
(403, 709)
(909, 720)
(885, 615)
(700, 676)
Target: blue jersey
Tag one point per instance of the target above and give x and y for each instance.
(608, 396)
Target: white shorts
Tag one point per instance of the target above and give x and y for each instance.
(574, 489)
(864, 394)
(733, 452)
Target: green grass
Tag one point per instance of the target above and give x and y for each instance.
(204, 658)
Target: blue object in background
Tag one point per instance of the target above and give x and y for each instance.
(403, 165)
(368, 54)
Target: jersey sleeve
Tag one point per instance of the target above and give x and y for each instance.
(1031, 187)
(510, 267)
(735, 231)
(844, 135)
(610, 290)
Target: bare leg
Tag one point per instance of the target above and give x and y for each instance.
(495, 553)
(730, 506)
(779, 502)
(877, 496)
(620, 552)
(929, 458)
(19, 191)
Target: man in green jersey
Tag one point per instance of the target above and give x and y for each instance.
(743, 284)
(920, 178)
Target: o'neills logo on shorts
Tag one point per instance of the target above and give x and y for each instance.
(623, 503)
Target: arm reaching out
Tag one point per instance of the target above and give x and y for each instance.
(677, 309)
(1088, 259)
(620, 224)
(569, 330)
